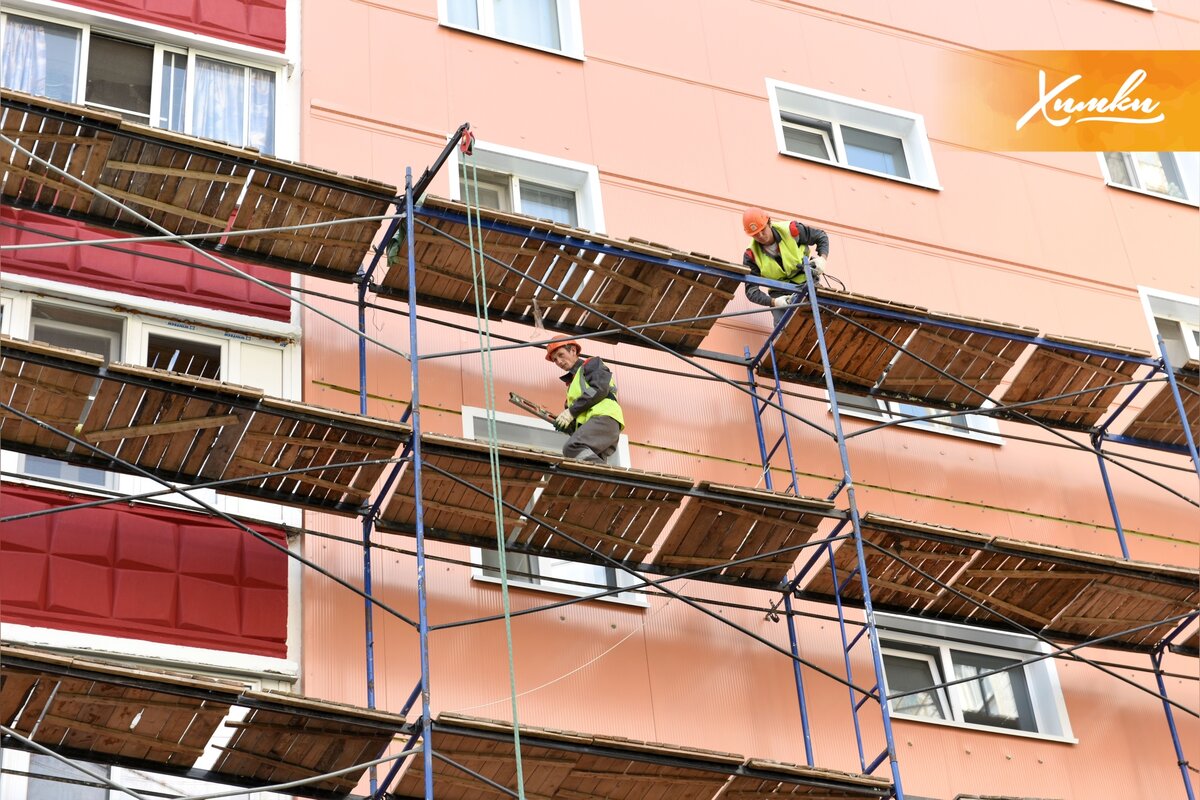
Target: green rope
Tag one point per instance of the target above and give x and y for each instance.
(479, 283)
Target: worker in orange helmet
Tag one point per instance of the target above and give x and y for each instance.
(777, 251)
(591, 414)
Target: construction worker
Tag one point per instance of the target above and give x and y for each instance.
(777, 251)
(591, 413)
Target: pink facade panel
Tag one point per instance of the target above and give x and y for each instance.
(143, 573)
(160, 271)
(259, 23)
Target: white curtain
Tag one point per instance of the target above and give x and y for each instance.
(530, 21)
(219, 101)
(262, 111)
(40, 58)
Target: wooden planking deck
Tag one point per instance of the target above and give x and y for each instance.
(630, 285)
(104, 711)
(187, 185)
(1052, 371)
(189, 429)
(1064, 594)
(858, 358)
(1159, 420)
(980, 360)
(564, 765)
(729, 523)
(619, 513)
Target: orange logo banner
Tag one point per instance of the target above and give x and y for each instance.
(1091, 100)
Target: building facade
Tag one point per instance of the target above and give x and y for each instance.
(646, 123)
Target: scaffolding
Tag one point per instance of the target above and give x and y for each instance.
(401, 480)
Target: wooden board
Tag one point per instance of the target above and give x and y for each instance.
(625, 281)
(729, 523)
(861, 345)
(1159, 421)
(187, 185)
(1064, 594)
(1054, 371)
(188, 429)
(979, 360)
(576, 766)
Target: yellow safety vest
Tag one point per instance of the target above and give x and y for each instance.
(791, 254)
(607, 407)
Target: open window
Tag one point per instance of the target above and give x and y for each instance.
(920, 656)
(150, 82)
(979, 427)
(1176, 318)
(1175, 176)
(848, 133)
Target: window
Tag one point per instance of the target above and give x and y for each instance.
(521, 182)
(1173, 175)
(1176, 318)
(863, 137)
(151, 83)
(549, 574)
(919, 655)
(552, 25)
(979, 427)
(173, 345)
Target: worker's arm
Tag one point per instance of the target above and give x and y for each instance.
(597, 379)
(813, 237)
(754, 293)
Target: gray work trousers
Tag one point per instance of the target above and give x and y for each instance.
(594, 440)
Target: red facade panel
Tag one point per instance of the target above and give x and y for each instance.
(144, 573)
(137, 268)
(260, 23)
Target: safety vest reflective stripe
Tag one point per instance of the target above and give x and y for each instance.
(790, 253)
(608, 407)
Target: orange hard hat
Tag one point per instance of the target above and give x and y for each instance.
(754, 220)
(559, 343)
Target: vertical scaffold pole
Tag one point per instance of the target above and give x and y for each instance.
(1183, 420)
(791, 626)
(422, 588)
(1156, 660)
(757, 408)
(869, 611)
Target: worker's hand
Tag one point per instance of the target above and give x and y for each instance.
(563, 421)
(818, 265)
(782, 302)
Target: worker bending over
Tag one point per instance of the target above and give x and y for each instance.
(591, 414)
(777, 252)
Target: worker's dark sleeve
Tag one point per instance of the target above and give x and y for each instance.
(754, 293)
(597, 380)
(813, 237)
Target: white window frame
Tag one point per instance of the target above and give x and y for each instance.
(1145, 5)
(142, 317)
(1189, 173)
(1041, 677)
(1184, 309)
(570, 27)
(549, 585)
(835, 110)
(575, 176)
(983, 427)
(165, 39)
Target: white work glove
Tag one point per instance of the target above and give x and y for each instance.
(563, 421)
(782, 302)
(818, 265)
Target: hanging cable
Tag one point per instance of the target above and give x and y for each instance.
(479, 283)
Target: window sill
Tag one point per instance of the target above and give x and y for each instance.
(1180, 200)
(1144, 5)
(838, 165)
(634, 600)
(950, 723)
(550, 51)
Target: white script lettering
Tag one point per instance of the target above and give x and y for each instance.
(1120, 103)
